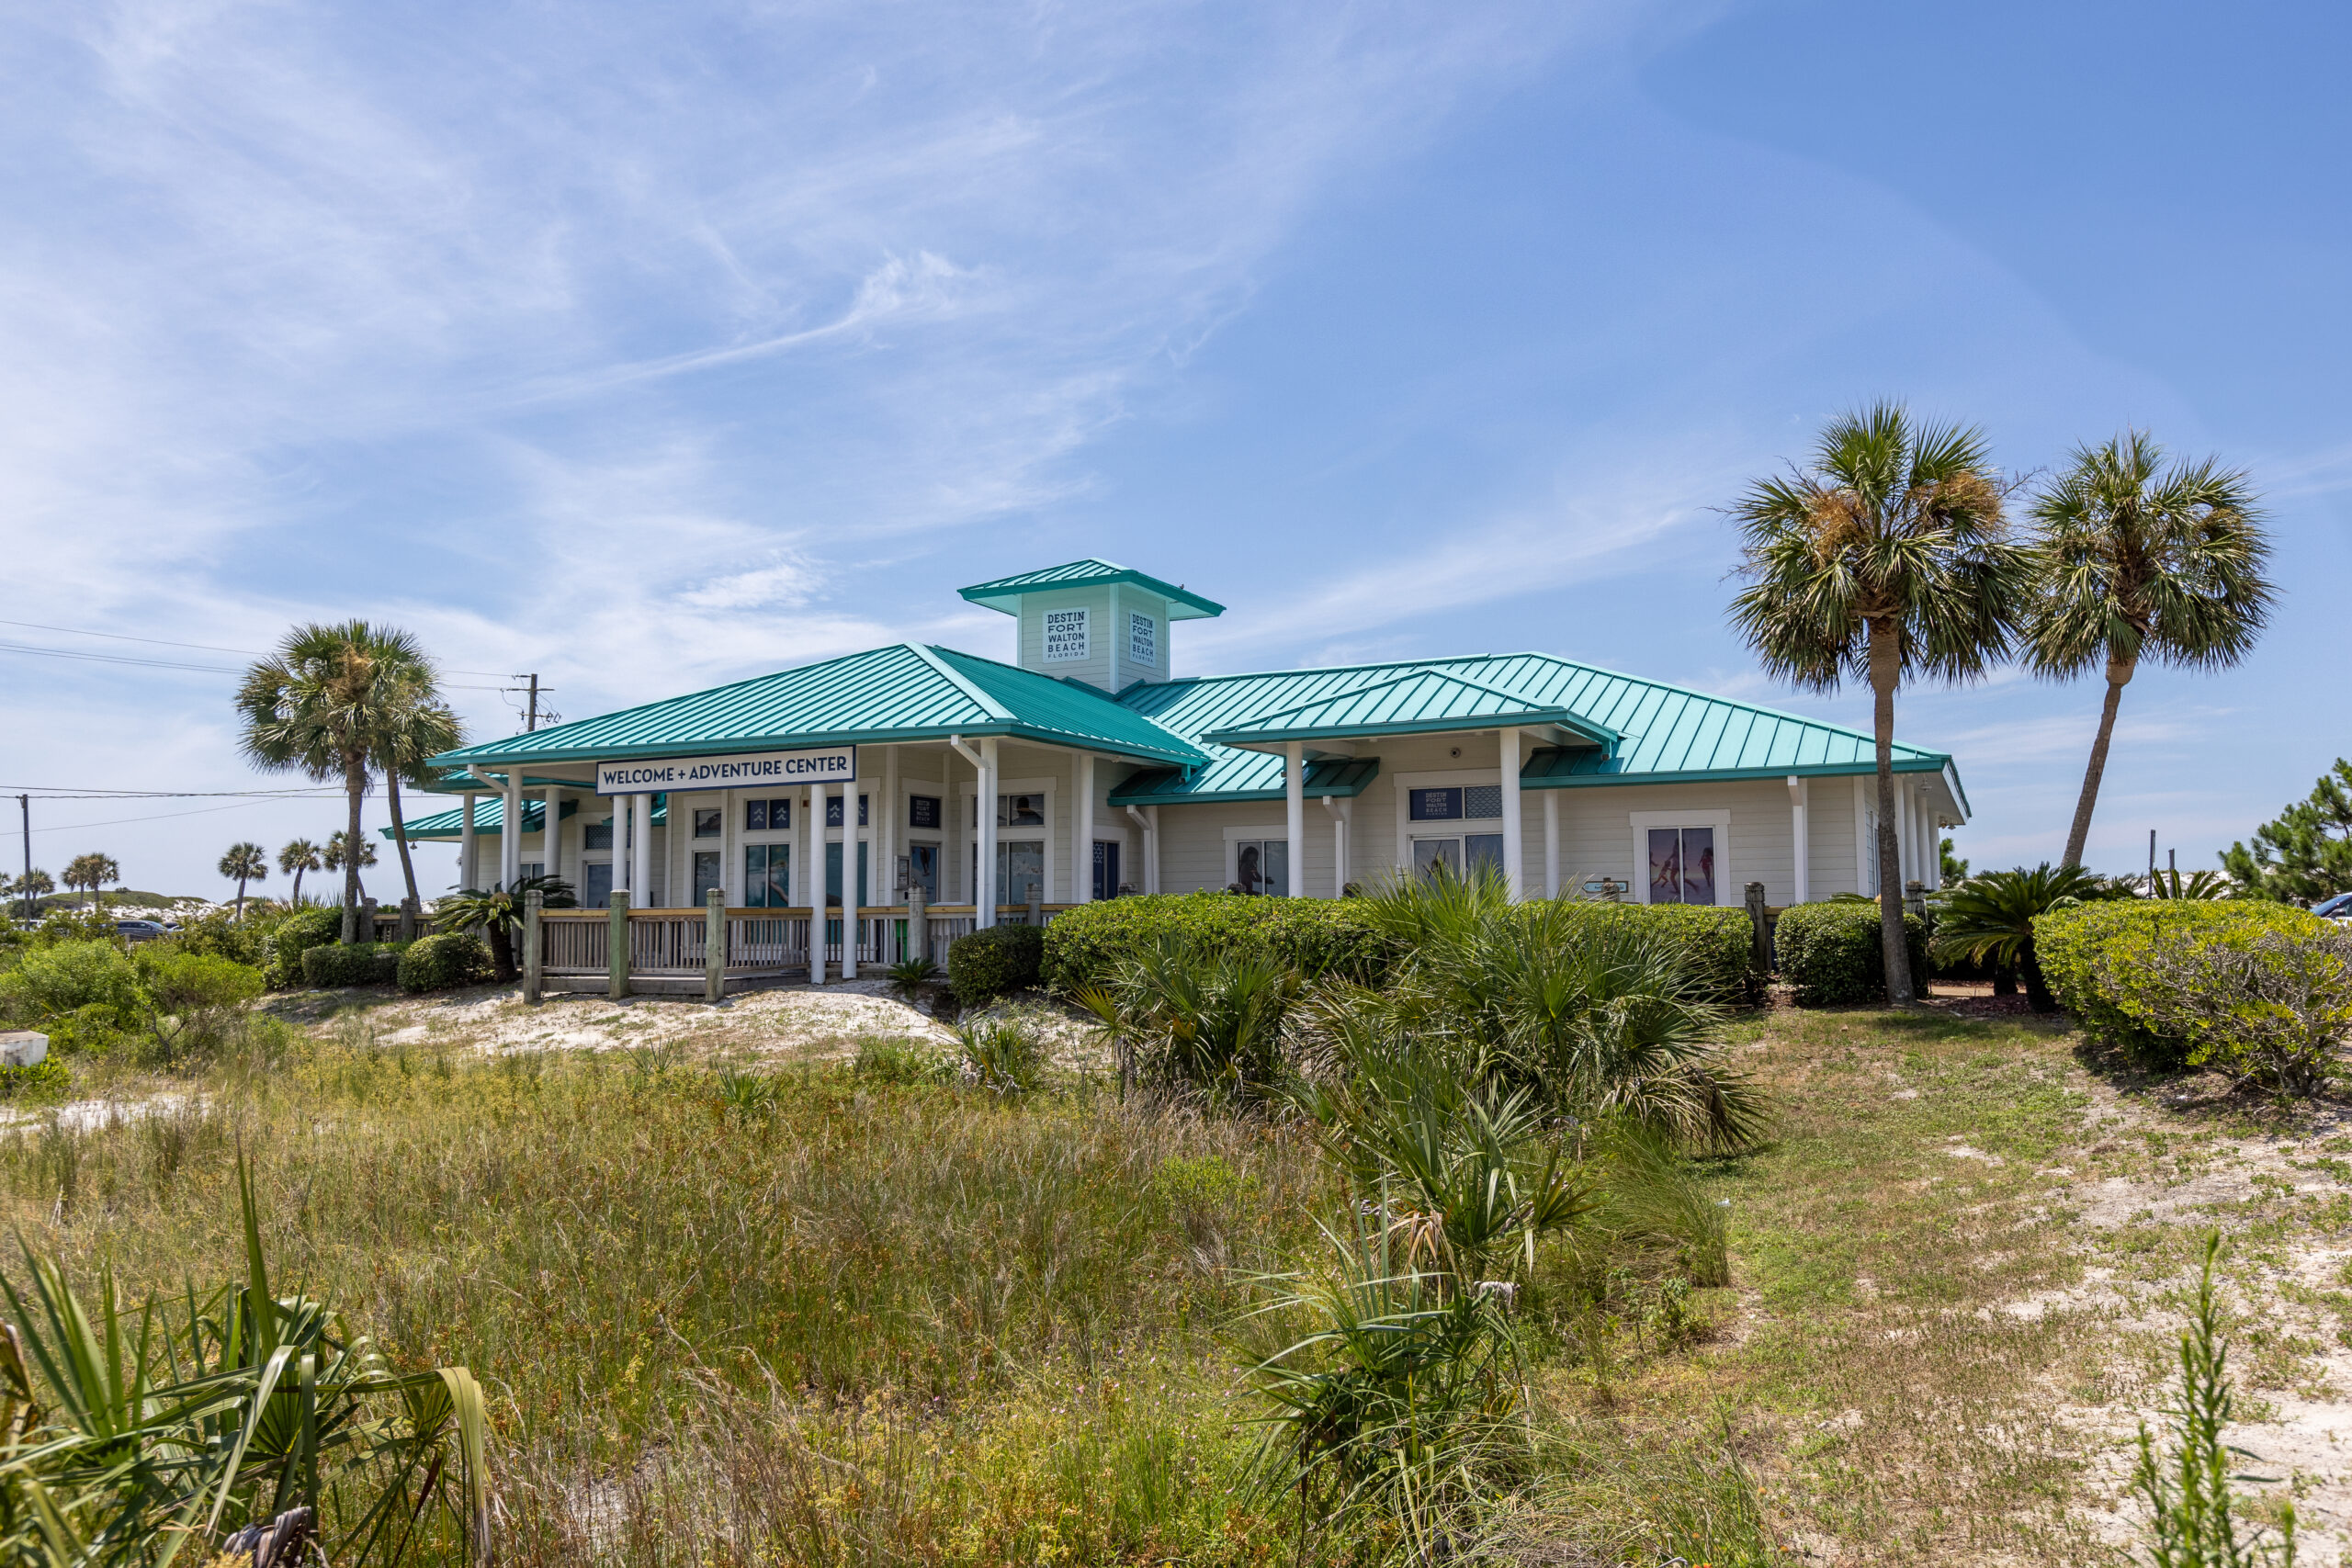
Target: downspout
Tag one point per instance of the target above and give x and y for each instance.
(1147, 841)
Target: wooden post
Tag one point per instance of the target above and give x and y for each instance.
(534, 964)
(1759, 928)
(616, 945)
(367, 922)
(918, 921)
(714, 946)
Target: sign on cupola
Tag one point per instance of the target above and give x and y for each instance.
(1065, 636)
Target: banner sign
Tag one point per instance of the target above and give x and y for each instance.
(829, 764)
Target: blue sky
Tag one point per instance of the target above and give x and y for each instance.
(651, 347)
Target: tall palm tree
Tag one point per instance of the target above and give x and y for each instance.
(1888, 556)
(243, 864)
(91, 871)
(417, 727)
(31, 888)
(299, 856)
(2131, 563)
(317, 706)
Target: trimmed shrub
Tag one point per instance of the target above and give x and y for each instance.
(985, 965)
(1315, 937)
(1832, 955)
(438, 962)
(2115, 965)
(362, 964)
(316, 926)
(1716, 945)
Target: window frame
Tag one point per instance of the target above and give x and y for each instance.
(1643, 821)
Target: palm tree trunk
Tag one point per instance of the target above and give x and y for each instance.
(1886, 668)
(400, 835)
(297, 901)
(2118, 675)
(354, 784)
(241, 900)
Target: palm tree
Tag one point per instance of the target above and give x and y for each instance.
(31, 888)
(92, 871)
(1989, 919)
(297, 857)
(243, 864)
(498, 913)
(318, 706)
(417, 727)
(337, 854)
(1888, 557)
(2132, 564)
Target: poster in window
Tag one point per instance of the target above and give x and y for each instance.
(1143, 639)
(922, 811)
(1435, 804)
(1698, 865)
(1066, 638)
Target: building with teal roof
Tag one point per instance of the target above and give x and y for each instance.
(1087, 768)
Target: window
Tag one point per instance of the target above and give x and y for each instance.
(1020, 810)
(1143, 639)
(1020, 870)
(833, 875)
(922, 870)
(533, 868)
(1482, 802)
(764, 815)
(1106, 870)
(767, 875)
(922, 811)
(1682, 865)
(1065, 639)
(833, 811)
(1263, 866)
(706, 875)
(1462, 856)
(597, 835)
(1434, 805)
(708, 822)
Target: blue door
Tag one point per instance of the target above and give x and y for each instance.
(834, 876)
(1106, 870)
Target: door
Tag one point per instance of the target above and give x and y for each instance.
(596, 884)
(922, 868)
(833, 875)
(1106, 870)
(706, 876)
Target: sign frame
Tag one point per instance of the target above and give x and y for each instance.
(739, 770)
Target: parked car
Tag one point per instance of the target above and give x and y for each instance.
(140, 930)
(2336, 909)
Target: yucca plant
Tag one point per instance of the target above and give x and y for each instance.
(1002, 1056)
(2199, 885)
(128, 1435)
(1989, 918)
(1197, 1022)
(908, 976)
(497, 911)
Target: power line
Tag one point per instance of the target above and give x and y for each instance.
(70, 792)
(216, 648)
(116, 659)
(159, 816)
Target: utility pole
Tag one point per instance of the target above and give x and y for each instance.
(532, 722)
(25, 806)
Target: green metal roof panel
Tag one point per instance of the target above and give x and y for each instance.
(1341, 777)
(1665, 732)
(1004, 593)
(490, 817)
(900, 693)
(1416, 703)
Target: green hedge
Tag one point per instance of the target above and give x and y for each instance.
(438, 962)
(1832, 952)
(1718, 944)
(315, 926)
(2093, 957)
(1314, 936)
(362, 964)
(985, 965)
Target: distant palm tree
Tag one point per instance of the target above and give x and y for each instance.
(91, 871)
(2132, 564)
(336, 857)
(243, 864)
(1888, 556)
(297, 857)
(317, 706)
(417, 727)
(31, 888)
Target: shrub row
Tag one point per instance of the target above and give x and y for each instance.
(437, 963)
(1716, 945)
(1315, 936)
(985, 965)
(1833, 954)
(362, 964)
(2117, 965)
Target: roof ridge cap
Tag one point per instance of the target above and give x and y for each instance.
(929, 654)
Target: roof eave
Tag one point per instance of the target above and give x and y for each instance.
(1924, 764)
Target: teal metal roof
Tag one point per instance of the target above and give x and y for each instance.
(1344, 777)
(1664, 733)
(490, 817)
(1418, 701)
(900, 693)
(1005, 592)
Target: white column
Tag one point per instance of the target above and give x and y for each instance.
(849, 880)
(640, 855)
(886, 827)
(984, 892)
(466, 844)
(1906, 847)
(551, 833)
(624, 810)
(1294, 813)
(1339, 811)
(811, 849)
(1551, 843)
(1801, 839)
(1151, 847)
(1083, 869)
(1865, 841)
(510, 829)
(730, 852)
(1514, 837)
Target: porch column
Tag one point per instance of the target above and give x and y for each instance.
(641, 862)
(886, 829)
(1151, 852)
(1801, 838)
(812, 874)
(1906, 852)
(624, 818)
(1551, 843)
(1342, 813)
(466, 845)
(551, 833)
(510, 829)
(1514, 837)
(1294, 813)
(1081, 864)
(849, 880)
(984, 889)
